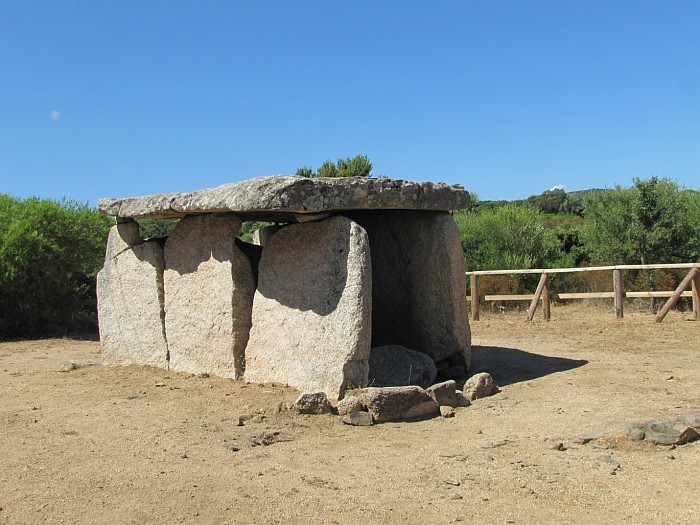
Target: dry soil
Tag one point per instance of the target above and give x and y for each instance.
(127, 445)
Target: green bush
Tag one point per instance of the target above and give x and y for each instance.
(50, 254)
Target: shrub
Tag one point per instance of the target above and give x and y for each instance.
(50, 253)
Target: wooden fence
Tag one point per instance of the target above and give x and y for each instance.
(542, 294)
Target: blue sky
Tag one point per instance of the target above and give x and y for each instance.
(108, 98)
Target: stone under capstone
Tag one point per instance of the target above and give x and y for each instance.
(353, 263)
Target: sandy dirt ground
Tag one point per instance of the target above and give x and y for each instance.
(130, 445)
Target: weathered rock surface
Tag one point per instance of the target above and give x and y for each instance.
(130, 300)
(281, 197)
(478, 386)
(418, 279)
(313, 403)
(399, 403)
(396, 365)
(358, 419)
(663, 432)
(209, 290)
(349, 405)
(312, 309)
(444, 394)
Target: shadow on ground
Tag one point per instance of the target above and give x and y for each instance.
(509, 365)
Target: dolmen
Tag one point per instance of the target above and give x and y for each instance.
(357, 282)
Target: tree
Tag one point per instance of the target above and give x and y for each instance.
(654, 221)
(509, 237)
(358, 166)
(50, 253)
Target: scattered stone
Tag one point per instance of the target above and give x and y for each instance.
(398, 403)
(268, 438)
(313, 403)
(559, 446)
(209, 290)
(349, 405)
(462, 400)
(69, 366)
(592, 435)
(312, 309)
(257, 419)
(478, 386)
(692, 420)
(453, 482)
(396, 365)
(278, 408)
(360, 418)
(495, 444)
(444, 393)
(663, 432)
(447, 411)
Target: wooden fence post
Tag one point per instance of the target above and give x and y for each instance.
(546, 299)
(474, 286)
(696, 296)
(619, 292)
(692, 275)
(544, 283)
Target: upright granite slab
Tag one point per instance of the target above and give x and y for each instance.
(304, 308)
(130, 300)
(419, 288)
(312, 309)
(209, 290)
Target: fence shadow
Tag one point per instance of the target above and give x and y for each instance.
(510, 365)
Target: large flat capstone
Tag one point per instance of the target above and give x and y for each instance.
(312, 309)
(287, 198)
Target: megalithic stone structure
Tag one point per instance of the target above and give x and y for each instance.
(352, 263)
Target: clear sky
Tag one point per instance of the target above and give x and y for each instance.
(117, 98)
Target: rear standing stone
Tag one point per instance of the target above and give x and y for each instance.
(130, 300)
(209, 290)
(312, 309)
(419, 288)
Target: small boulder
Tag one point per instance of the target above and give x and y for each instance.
(445, 394)
(358, 419)
(396, 365)
(313, 403)
(662, 432)
(349, 405)
(398, 403)
(478, 386)
(446, 411)
(462, 400)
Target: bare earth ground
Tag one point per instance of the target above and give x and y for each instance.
(140, 445)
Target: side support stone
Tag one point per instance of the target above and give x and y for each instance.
(130, 300)
(209, 290)
(312, 309)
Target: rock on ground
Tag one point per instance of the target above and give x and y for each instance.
(418, 280)
(130, 300)
(312, 309)
(444, 394)
(399, 403)
(396, 365)
(313, 403)
(209, 290)
(663, 432)
(478, 386)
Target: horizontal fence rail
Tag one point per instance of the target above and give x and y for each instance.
(542, 294)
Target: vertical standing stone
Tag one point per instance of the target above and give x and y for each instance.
(130, 300)
(312, 309)
(418, 283)
(208, 296)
